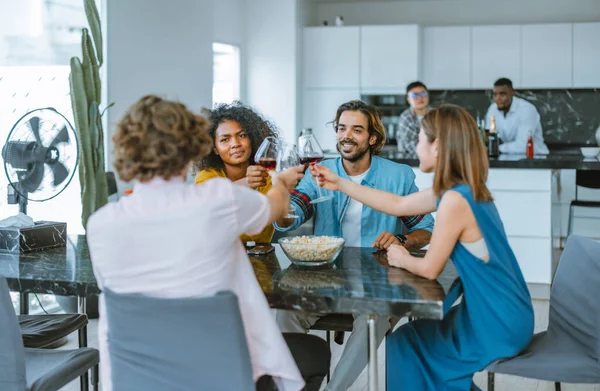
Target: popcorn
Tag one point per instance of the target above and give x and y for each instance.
(311, 248)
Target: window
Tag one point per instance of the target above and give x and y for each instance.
(226, 73)
(37, 40)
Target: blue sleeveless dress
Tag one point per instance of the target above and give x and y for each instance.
(494, 319)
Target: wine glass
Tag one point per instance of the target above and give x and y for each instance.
(266, 155)
(288, 158)
(310, 153)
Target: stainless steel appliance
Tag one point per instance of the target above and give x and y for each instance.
(390, 108)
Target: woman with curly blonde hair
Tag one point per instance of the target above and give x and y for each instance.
(173, 239)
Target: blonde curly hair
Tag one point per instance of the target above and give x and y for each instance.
(158, 138)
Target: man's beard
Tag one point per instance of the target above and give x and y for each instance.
(352, 157)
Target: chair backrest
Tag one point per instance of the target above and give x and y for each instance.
(587, 178)
(177, 344)
(12, 352)
(575, 295)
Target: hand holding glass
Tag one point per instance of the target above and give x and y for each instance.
(310, 153)
(288, 158)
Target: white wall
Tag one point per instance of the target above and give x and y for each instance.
(158, 47)
(459, 12)
(229, 21)
(272, 61)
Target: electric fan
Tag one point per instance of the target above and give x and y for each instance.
(40, 157)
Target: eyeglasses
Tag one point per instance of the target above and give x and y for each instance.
(414, 95)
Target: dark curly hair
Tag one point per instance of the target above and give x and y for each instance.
(253, 123)
(158, 138)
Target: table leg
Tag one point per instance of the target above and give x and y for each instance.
(372, 354)
(82, 304)
(24, 303)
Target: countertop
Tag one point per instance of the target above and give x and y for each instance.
(555, 160)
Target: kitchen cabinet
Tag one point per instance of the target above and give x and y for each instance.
(586, 55)
(524, 199)
(331, 57)
(319, 108)
(546, 60)
(447, 57)
(389, 57)
(496, 53)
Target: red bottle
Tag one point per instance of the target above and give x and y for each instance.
(529, 150)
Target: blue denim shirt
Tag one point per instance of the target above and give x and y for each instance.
(383, 175)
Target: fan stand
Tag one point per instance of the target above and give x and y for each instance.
(16, 194)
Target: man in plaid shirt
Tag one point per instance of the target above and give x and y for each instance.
(361, 136)
(409, 123)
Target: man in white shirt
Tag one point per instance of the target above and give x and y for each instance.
(516, 120)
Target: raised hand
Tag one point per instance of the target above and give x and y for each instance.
(326, 178)
(256, 176)
(290, 177)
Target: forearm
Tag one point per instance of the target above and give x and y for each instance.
(243, 182)
(422, 267)
(379, 200)
(517, 146)
(417, 239)
(279, 199)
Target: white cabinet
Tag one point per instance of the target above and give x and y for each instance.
(331, 57)
(586, 55)
(546, 56)
(319, 111)
(447, 57)
(389, 57)
(496, 53)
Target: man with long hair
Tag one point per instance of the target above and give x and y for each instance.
(360, 138)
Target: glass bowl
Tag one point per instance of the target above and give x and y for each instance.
(311, 250)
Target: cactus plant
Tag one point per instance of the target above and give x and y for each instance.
(84, 82)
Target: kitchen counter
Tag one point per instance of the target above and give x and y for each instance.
(553, 161)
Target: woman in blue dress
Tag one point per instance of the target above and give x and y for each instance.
(495, 317)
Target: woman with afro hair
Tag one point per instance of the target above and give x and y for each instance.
(237, 131)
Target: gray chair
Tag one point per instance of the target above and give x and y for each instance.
(177, 344)
(587, 179)
(569, 351)
(50, 331)
(24, 369)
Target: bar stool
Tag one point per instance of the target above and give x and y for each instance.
(589, 179)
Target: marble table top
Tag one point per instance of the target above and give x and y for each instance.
(359, 281)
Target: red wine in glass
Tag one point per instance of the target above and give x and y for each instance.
(308, 160)
(268, 163)
(266, 156)
(310, 152)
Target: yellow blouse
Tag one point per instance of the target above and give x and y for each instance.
(263, 237)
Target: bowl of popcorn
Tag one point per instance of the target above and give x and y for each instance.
(312, 250)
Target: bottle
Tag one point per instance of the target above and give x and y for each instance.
(529, 149)
(493, 142)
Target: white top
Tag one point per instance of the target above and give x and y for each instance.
(514, 129)
(172, 239)
(478, 248)
(353, 217)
